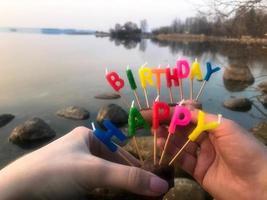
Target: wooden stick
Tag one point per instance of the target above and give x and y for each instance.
(191, 89)
(138, 150)
(165, 147)
(145, 93)
(155, 147)
(170, 94)
(181, 89)
(179, 152)
(125, 158)
(124, 100)
(201, 90)
(137, 99)
(158, 94)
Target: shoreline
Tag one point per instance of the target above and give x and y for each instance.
(205, 38)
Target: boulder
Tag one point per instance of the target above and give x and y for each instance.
(74, 112)
(31, 130)
(5, 119)
(238, 104)
(263, 100)
(115, 113)
(108, 96)
(185, 189)
(237, 77)
(260, 132)
(263, 87)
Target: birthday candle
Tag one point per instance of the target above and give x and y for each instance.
(158, 71)
(194, 72)
(133, 85)
(135, 121)
(114, 80)
(210, 71)
(145, 75)
(183, 70)
(201, 127)
(117, 84)
(161, 111)
(171, 76)
(181, 117)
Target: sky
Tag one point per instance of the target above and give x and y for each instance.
(92, 14)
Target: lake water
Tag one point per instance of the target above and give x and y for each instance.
(40, 74)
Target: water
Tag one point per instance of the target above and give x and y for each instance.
(40, 74)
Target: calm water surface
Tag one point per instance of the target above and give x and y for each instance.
(40, 74)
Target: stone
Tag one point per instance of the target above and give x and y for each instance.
(5, 119)
(185, 189)
(74, 112)
(238, 104)
(113, 112)
(237, 77)
(108, 96)
(31, 130)
(262, 87)
(260, 131)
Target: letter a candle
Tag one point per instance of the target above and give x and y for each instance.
(195, 71)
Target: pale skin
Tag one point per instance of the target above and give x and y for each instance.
(231, 164)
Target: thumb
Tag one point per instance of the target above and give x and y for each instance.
(133, 179)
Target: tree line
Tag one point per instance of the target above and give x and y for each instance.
(252, 22)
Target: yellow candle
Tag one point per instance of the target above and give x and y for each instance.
(145, 75)
(195, 71)
(201, 126)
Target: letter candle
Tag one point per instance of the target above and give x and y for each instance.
(161, 111)
(133, 85)
(183, 72)
(105, 138)
(117, 84)
(158, 71)
(135, 121)
(210, 71)
(171, 76)
(201, 127)
(181, 117)
(195, 71)
(145, 75)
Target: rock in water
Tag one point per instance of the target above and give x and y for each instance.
(238, 104)
(260, 132)
(5, 119)
(74, 112)
(263, 87)
(108, 96)
(115, 113)
(31, 130)
(237, 77)
(185, 189)
(238, 73)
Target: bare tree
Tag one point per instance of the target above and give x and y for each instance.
(228, 8)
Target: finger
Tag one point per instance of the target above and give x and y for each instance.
(132, 179)
(187, 162)
(98, 149)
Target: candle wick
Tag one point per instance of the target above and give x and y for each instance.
(157, 98)
(93, 126)
(132, 105)
(106, 71)
(219, 118)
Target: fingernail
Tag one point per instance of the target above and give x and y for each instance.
(158, 185)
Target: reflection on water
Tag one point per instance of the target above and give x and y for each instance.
(43, 73)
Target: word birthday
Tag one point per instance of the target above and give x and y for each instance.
(174, 77)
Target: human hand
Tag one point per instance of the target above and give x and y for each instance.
(228, 161)
(72, 166)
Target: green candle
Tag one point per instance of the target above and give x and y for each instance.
(131, 79)
(135, 121)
